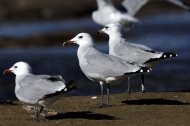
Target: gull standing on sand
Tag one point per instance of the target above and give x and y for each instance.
(107, 13)
(136, 53)
(100, 67)
(37, 90)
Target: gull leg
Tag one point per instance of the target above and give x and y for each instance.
(142, 84)
(102, 94)
(129, 84)
(37, 114)
(108, 93)
(41, 108)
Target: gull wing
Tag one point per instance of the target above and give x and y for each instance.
(133, 6)
(179, 3)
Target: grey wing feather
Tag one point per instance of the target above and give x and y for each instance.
(133, 6)
(35, 87)
(143, 47)
(179, 3)
(135, 52)
(107, 66)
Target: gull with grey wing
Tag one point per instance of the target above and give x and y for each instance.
(136, 53)
(100, 67)
(37, 90)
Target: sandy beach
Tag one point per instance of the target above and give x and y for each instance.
(148, 109)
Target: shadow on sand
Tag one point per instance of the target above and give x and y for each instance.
(81, 115)
(7, 102)
(154, 102)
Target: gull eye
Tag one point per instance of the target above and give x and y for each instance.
(15, 67)
(80, 37)
(106, 27)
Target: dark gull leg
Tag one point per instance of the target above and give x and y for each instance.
(41, 108)
(37, 114)
(129, 84)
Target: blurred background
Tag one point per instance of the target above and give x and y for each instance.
(33, 31)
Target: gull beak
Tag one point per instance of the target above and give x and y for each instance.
(100, 31)
(7, 71)
(67, 42)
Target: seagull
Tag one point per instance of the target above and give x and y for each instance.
(107, 13)
(135, 53)
(100, 67)
(37, 90)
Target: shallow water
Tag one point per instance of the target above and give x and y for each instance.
(164, 33)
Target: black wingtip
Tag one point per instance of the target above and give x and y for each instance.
(168, 55)
(54, 78)
(144, 70)
(141, 70)
(70, 86)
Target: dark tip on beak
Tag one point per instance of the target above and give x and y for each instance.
(7, 71)
(67, 43)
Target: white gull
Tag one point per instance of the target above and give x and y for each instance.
(37, 90)
(136, 53)
(100, 67)
(107, 13)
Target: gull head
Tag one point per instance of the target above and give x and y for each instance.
(111, 29)
(82, 39)
(19, 68)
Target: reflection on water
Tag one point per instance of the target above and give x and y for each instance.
(170, 75)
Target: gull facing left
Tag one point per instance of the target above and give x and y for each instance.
(136, 53)
(100, 67)
(37, 90)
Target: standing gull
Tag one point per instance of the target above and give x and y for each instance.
(107, 13)
(100, 67)
(37, 90)
(137, 53)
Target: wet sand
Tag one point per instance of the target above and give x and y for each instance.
(148, 109)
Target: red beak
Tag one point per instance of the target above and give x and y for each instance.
(7, 71)
(67, 43)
